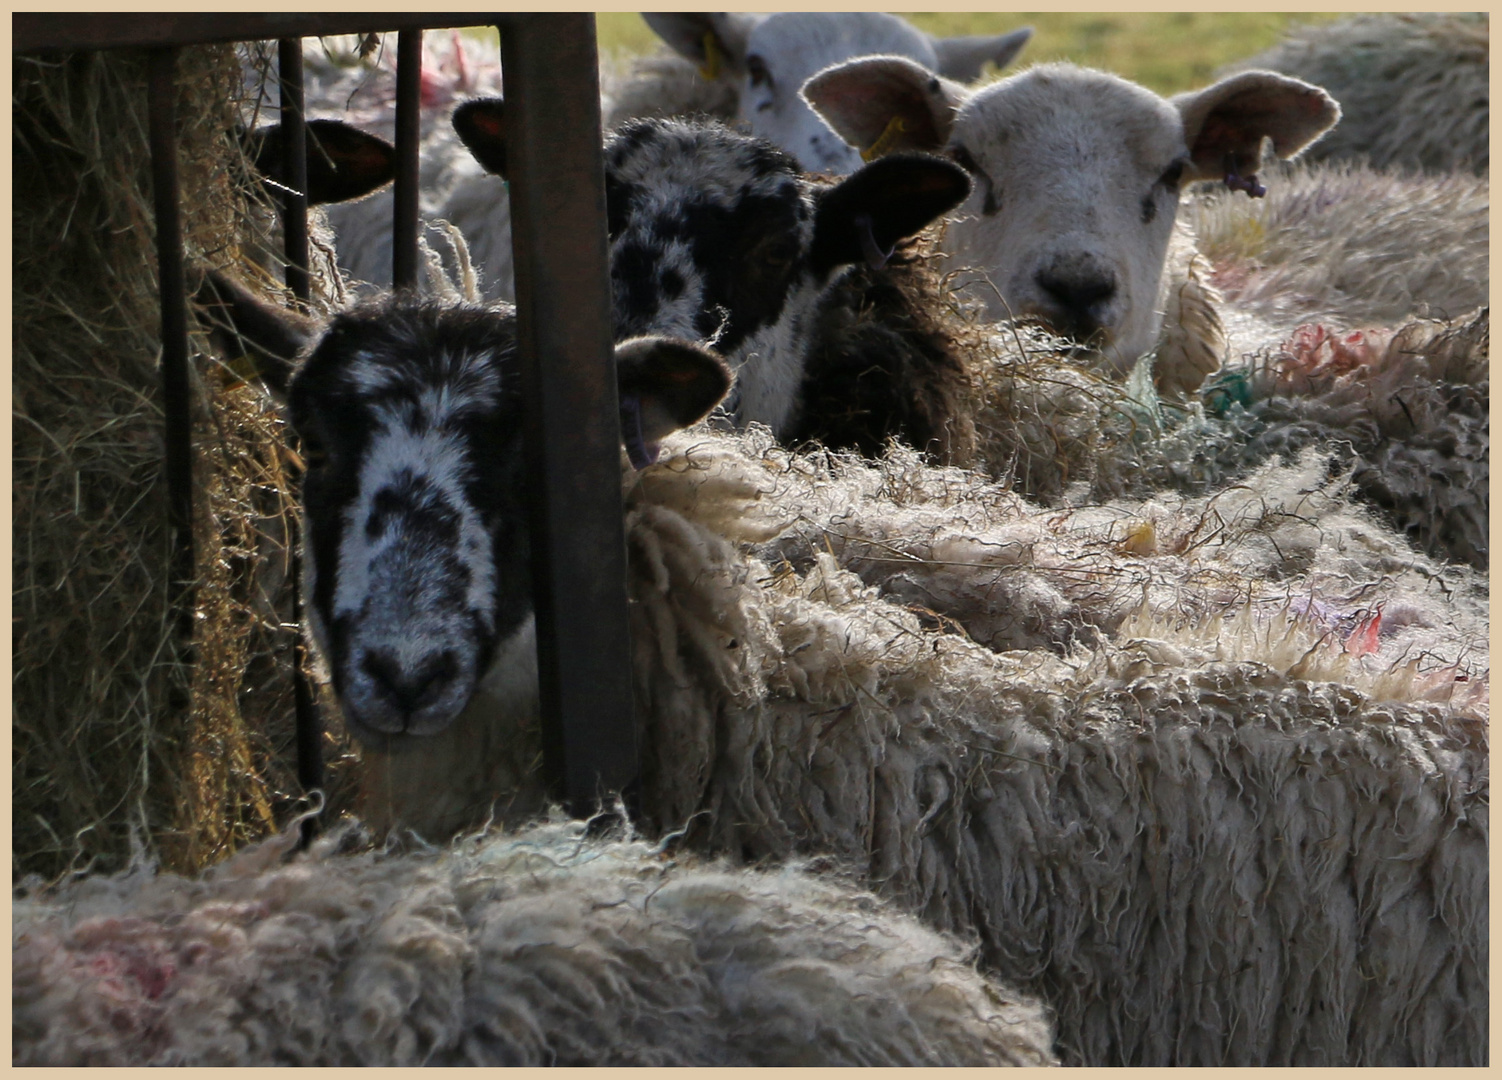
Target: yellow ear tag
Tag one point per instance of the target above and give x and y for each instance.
(710, 70)
(894, 128)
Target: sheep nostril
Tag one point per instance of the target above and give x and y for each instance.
(411, 687)
(1078, 297)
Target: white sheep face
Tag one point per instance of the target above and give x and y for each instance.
(1077, 188)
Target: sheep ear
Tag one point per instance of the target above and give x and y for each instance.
(716, 41)
(961, 58)
(1224, 124)
(665, 384)
(481, 125)
(242, 324)
(343, 161)
(864, 215)
(879, 104)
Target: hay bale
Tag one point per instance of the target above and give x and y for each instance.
(119, 743)
(538, 948)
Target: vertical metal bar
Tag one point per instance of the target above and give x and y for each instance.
(178, 466)
(408, 136)
(294, 204)
(555, 168)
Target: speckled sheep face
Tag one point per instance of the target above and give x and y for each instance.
(418, 558)
(709, 239)
(1077, 175)
(717, 236)
(417, 545)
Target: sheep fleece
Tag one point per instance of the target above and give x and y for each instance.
(538, 948)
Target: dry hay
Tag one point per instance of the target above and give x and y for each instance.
(118, 743)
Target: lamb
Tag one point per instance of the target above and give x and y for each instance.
(544, 947)
(766, 58)
(1078, 178)
(719, 237)
(1244, 823)
(1414, 87)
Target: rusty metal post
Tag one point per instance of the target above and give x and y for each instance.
(178, 464)
(408, 138)
(555, 170)
(294, 204)
(294, 200)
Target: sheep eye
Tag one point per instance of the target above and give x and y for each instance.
(314, 453)
(1173, 174)
(963, 159)
(756, 71)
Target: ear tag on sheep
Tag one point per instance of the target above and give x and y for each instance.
(875, 257)
(641, 451)
(709, 71)
(895, 127)
(1247, 183)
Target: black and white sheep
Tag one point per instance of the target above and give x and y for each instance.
(543, 947)
(719, 237)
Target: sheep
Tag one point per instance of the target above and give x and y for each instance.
(793, 44)
(1345, 243)
(788, 712)
(1414, 87)
(718, 236)
(542, 947)
(1078, 179)
(362, 93)
(1245, 730)
(766, 58)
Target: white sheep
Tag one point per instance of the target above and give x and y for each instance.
(1078, 178)
(1414, 87)
(766, 58)
(543, 947)
(1115, 823)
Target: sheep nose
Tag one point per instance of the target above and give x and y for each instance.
(411, 686)
(1077, 295)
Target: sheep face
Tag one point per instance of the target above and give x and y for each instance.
(417, 555)
(1077, 173)
(768, 57)
(718, 237)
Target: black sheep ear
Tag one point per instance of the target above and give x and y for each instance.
(481, 125)
(867, 213)
(242, 324)
(343, 162)
(665, 384)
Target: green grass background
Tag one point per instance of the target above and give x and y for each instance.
(1166, 51)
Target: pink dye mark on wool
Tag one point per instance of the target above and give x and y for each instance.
(1366, 638)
